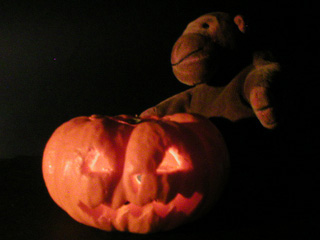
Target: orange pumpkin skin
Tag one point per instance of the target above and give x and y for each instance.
(137, 175)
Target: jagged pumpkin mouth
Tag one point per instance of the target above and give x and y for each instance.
(128, 210)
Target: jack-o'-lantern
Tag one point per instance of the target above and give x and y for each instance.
(138, 175)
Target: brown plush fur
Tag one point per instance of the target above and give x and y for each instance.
(248, 94)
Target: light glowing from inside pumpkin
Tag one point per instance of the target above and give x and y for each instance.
(117, 173)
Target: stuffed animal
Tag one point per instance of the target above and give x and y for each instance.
(230, 79)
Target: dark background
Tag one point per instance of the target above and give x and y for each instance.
(63, 59)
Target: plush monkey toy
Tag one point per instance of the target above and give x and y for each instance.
(229, 79)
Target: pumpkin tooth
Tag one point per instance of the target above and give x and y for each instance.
(119, 197)
(121, 220)
(142, 222)
(162, 209)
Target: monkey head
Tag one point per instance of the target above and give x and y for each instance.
(210, 45)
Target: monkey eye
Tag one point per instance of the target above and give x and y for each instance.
(205, 25)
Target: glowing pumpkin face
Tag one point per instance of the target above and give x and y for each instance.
(137, 175)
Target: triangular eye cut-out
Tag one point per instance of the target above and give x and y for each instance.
(95, 162)
(173, 162)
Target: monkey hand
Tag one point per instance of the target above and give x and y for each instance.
(260, 90)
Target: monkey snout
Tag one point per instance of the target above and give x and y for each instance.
(186, 46)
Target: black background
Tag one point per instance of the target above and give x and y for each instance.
(63, 59)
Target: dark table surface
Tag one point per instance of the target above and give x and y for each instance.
(263, 203)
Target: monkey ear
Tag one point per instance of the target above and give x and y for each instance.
(239, 21)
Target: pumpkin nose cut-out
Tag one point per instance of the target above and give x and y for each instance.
(145, 187)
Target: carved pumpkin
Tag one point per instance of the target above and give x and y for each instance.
(138, 175)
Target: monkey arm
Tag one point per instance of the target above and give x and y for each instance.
(179, 103)
(202, 99)
(249, 94)
(210, 101)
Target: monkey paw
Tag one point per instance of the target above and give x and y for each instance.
(260, 90)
